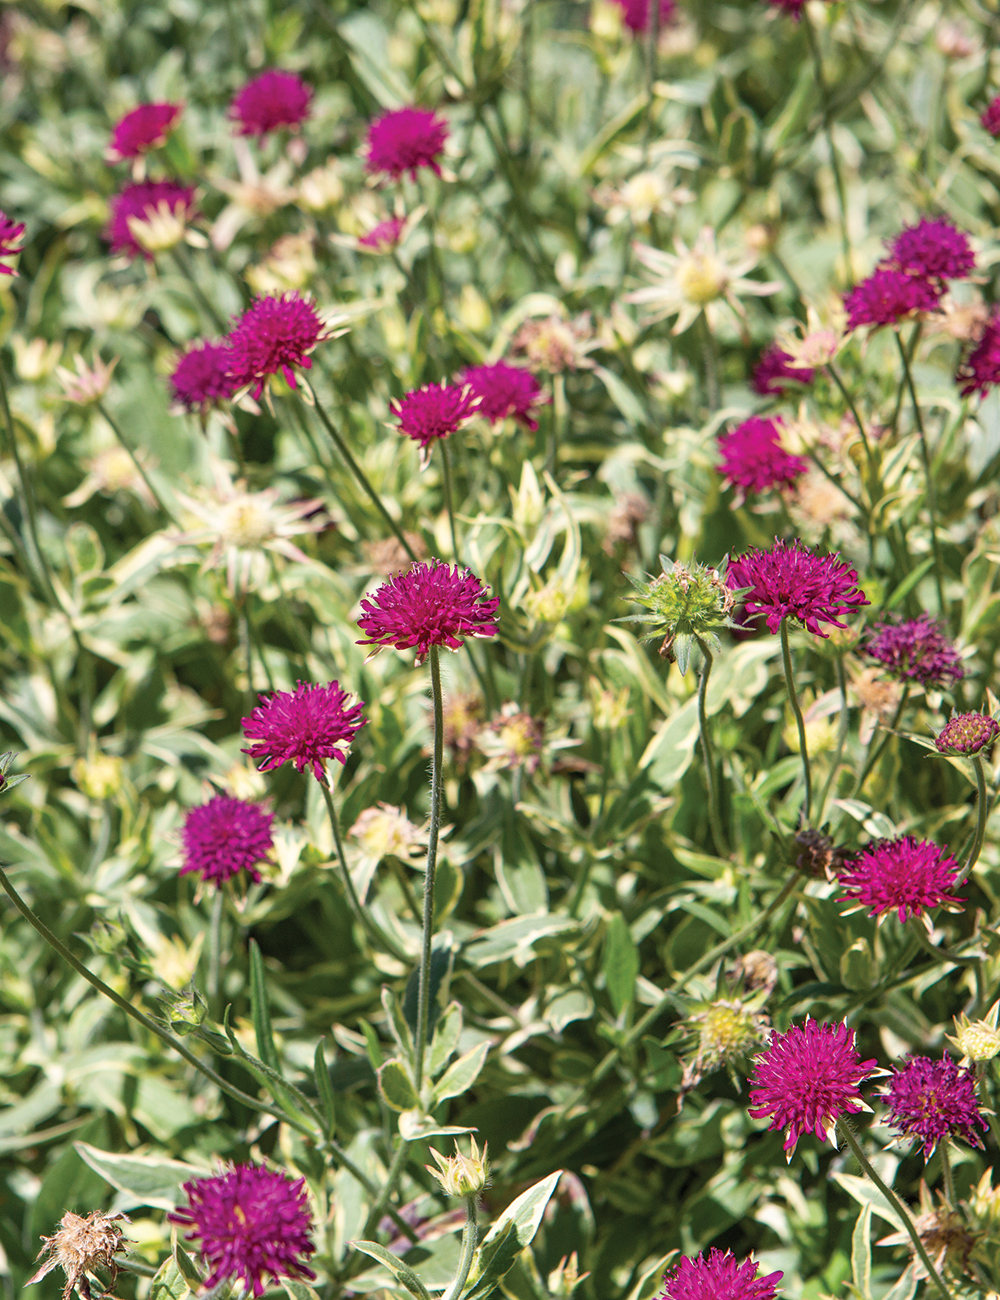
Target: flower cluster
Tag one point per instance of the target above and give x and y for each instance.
(224, 837)
(429, 414)
(967, 733)
(405, 140)
(306, 727)
(916, 650)
(272, 100)
(905, 875)
(717, 1276)
(429, 605)
(754, 459)
(911, 278)
(790, 581)
(933, 1101)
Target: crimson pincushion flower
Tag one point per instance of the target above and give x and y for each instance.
(249, 1221)
(383, 237)
(754, 459)
(717, 1276)
(793, 7)
(793, 582)
(145, 128)
(145, 202)
(427, 414)
(272, 100)
(967, 733)
(806, 1079)
(904, 875)
(889, 296)
(635, 13)
(980, 370)
(201, 376)
(11, 233)
(916, 650)
(933, 250)
(404, 139)
(932, 1101)
(505, 390)
(275, 333)
(991, 117)
(306, 727)
(428, 605)
(775, 370)
(226, 836)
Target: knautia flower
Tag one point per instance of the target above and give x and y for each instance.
(404, 140)
(717, 1276)
(306, 727)
(272, 100)
(249, 1222)
(275, 335)
(636, 13)
(991, 117)
(145, 128)
(980, 370)
(512, 740)
(505, 391)
(434, 412)
(753, 458)
(461, 1175)
(967, 733)
(916, 650)
(978, 1040)
(148, 216)
(78, 1246)
(555, 344)
(85, 385)
(889, 296)
(11, 237)
(384, 237)
(933, 1101)
(429, 605)
(201, 378)
(775, 370)
(224, 837)
(687, 602)
(793, 582)
(806, 1079)
(906, 876)
(932, 250)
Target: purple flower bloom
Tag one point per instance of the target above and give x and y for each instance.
(967, 733)
(143, 201)
(980, 370)
(807, 1078)
(275, 333)
(11, 233)
(932, 250)
(305, 727)
(146, 127)
(226, 836)
(384, 237)
(405, 139)
(271, 100)
(754, 459)
(430, 604)
(889, 296)
(917, 650)
(717, 1276)
(792, 582)
(932, 1101)
(505, 390)
(774, 372)
(635, 13)
(793, 7)
(249, 1221)
(904, 875)
(201, 376)
(427, 414)
(991, 118)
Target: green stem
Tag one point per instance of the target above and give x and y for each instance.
(559, 418)
(180, 256)
(875, 752)
(437, 766)
(786, 659)
(712, 398)
(385, 1195)
(838, 178)
(982, 814)
(470, 1236)
(845, 1132)
(28, 497)
(841, 741)
(872, 483)
(714, 815)
(949, 1181)
(449, 499)
(928, 471)
(215, 956)
(116, 430)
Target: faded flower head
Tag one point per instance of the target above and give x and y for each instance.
(753, 458)
(932, 250)
(637, 198)
(978, 1040)
(775, 370)
(906, 875)
(274, 335)
(967, 733)
(145, 128)
(889, 296)
(201, 378)
(944, 1234)
(806, 1079)
(387, 555)
(430, 605)
(980, 370)
(306, 727)
(434, 412)
(793, 582)
(224, 837)
(249, 1221)
(513, 739)
(11, 237)
(78, 1246)
(504, 390)
(917, 650)
(461, 1175)
(554, 345)
(148, 216)
(727, 1030)
(404, 140)
(755, 970)
(85, 385)
(272, 100)
(686, 602)
(818, 856)
(463, 717)
(384, 831)
(933, 1101)
(991, 117)
(717, 1276)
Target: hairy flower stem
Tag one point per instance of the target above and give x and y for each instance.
(125, 446)
(928, 470)
(710, 357)
(786, 659)
(982, 814)
(875, 751)
(714, 815)
(449, 498)
(437, 772)
(841, 740)
(470, 1235)
(838, 178)
(846, 1133)
(946, 1174)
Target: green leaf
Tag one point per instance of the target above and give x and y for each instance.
(861, 1252)
(169, 1282)
(906, 1286)
(149, 1180)
(462, 1074)
(397, 1087)
(324, 1088)
(298, 1290)
(622, 396)
(621, 963)
(866, 1193)
(261, 1014)
(397, 1023)
(395, 1265)
(512, 1233)
(515, 938)
(445, 1040)
(909, 582)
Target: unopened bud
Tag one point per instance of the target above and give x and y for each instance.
(461, 1175)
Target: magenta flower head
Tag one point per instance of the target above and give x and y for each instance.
(904, 875)
(754, 460)
(249, 1221)
(275, 334)
(980, 371)
(991, 118)
(429, 605)
(917, 650)
(806, 1079)
(635, 13)
(889, 296)
(305, 727)
(792, 582)
(145, 201)
(201, 377)
(933, 1101)
(932, 250)
(384, 237)
(11, 235)
(427, 414)
(145, 128)
(717, 1276)
(504, 390)
(404, 140)
(272, 100)
(966, 734)
(776, 370)
(793, 7)
(224, 837)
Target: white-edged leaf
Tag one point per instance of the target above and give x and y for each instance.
(512, 1232)
(149, 1180)
(402, 1272)
(461, 1074)
(865, 1193)
(861, 1252)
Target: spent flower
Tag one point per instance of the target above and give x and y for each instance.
(687, 603)
(933, 1101)
(85, 385)
(224, 837)
(513, 739)
(905, 875)
(272, 100)
(790, 581)
(429, 605)
(306, 727)
(966, 734)
(78, 1246)
(405, 139)
(718, 1276)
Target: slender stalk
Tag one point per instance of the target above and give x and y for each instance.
(714, 815)
(982, 814)
(949, 1181)
(841, 741)
(437, 765)
(215, 956)
(559, 418)
(180, 256)
(928, 471)
(712, 397)
(123, 442)
(838, 177)
(845, 1132)
(786, 659)
(28, 497)
(385, 1195)
(875, 752)
(869, 455)
(449, 499)
(470, 1235)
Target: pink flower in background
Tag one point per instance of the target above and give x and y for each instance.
(793, 7)
(505, 390)
(11, 236)
(991, 118)
(201, 376)
(717, 1276)
(635, 13)
(776, 370)
(889, 296)
(405, 139)
(905, 875)
(790, 581)
(306, 727)
(932, 250)
(916, 650)
(384, 237)
(272, 100)
(967, 733)
(146, 127)
(807, 1078)
(226, 836)
(428, 605)
(146, 201)
(274, 335)
(434, 412)
(754, 459)
(933, 1101)
(980, 370)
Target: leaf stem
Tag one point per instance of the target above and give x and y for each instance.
(714, 814)
(437, 766)
(928, 471)
(786, 659)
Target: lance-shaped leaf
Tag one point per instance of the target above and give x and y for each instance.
(396, 1086)
(461, 1074)
(512, 1232)
(402, 1272)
